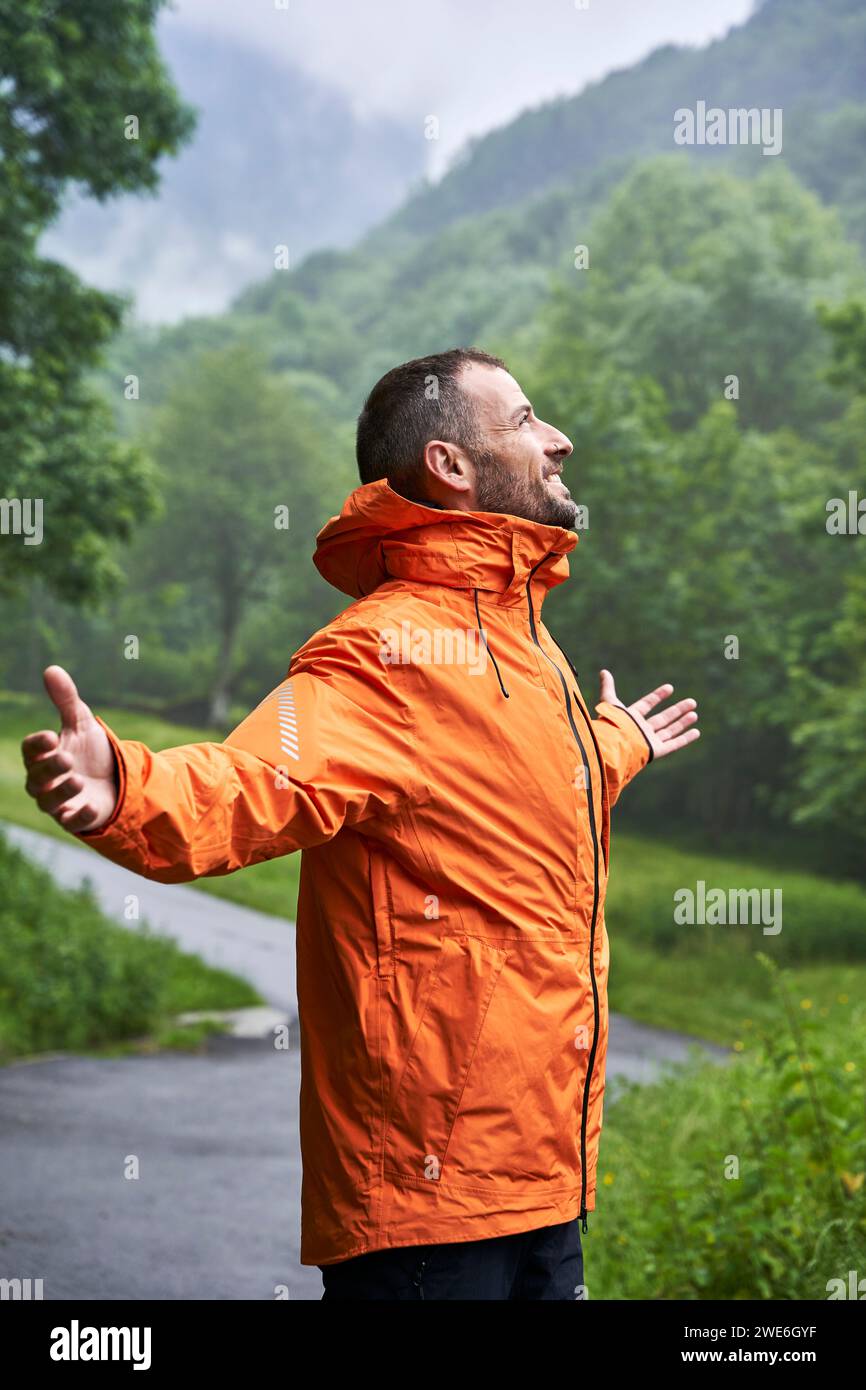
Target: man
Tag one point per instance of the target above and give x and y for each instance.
(432, 755)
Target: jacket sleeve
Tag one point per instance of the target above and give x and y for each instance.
(321, 751)
(625, 748)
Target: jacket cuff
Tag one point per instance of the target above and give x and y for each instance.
(627, 724)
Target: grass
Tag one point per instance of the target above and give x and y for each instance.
(716, 996)
(71, 979)
(821, 919)
(707, 980)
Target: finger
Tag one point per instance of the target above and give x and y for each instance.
(608, 687)
(74, 821)
(70, 808)
(58, 796)
(35, 744)
(63, 692)
(677, 727)
(46, 769)
(655, 697)
(662, 749)
(668, 716)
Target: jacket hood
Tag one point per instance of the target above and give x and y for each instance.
(379, 536)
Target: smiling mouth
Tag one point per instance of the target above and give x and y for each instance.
(554, 478)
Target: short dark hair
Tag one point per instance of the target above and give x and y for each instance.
(403, 413)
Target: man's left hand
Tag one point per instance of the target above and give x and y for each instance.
(667, 731)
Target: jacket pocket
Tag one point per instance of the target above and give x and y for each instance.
(427, 1100)
(382, 900)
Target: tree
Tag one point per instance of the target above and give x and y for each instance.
(706, 560)
(84, 99)
(243, 464)
(831, 787)
(697, 277)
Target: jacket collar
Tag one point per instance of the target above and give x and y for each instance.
(380, 536)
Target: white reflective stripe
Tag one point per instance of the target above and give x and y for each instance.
(282, 692)
(287, 721)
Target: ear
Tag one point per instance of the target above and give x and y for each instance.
(447, 467)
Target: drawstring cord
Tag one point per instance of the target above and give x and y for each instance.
(487, 645)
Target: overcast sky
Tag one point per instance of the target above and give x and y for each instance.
(472, 63)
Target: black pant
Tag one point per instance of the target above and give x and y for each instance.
(546, 1264)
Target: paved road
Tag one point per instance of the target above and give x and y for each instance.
(251, 944)
(214, 1212)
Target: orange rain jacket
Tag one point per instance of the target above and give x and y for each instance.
(431, 753)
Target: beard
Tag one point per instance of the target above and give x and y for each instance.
(530, 498)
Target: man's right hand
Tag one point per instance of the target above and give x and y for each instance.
(72, 775)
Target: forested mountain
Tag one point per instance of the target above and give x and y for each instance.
(277, 158)
(805, 56)
(468, 258)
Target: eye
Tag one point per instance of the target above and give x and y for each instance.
(525, 417)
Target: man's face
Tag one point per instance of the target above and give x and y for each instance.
(520, 458)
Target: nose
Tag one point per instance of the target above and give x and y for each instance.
(560, 446)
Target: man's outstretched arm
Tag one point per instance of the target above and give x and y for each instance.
(319, 752)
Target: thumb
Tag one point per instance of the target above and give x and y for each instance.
(608, 689)
(62, 690)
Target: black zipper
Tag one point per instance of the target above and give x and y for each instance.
(588, 721)
(593, 832)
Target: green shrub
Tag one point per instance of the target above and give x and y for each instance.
(673, 1222)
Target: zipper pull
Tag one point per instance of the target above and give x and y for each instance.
(582, 1219)
(419, 1275)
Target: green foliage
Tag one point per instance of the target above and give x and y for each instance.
(831, 786)
(676, 1219)
(847, 325)
(70, 77)
(832, 782)
(695, 276)
(707, 515)
(242, 460)
(821, 145)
